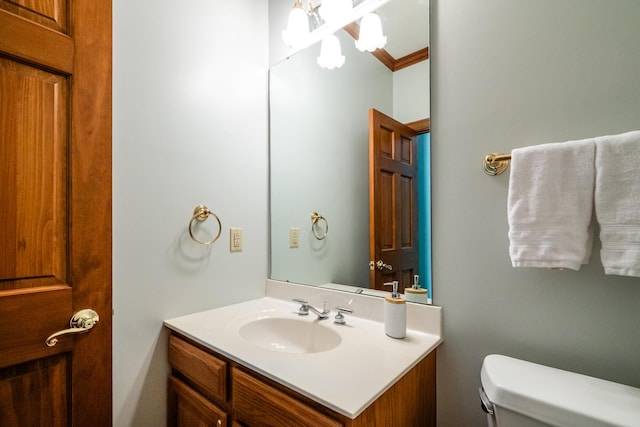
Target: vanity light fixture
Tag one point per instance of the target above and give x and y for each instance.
(330, 53)
(308, 24)
(371, 37)
(296, 34)
(333, 11)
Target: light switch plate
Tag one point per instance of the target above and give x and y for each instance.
(294, 237)
(235, 240)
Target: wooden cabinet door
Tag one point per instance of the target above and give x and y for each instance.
(257, 404)
(188, 408)
(55, 211)
(393, 202)
(206, 372)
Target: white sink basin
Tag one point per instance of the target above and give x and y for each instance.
(290, 335)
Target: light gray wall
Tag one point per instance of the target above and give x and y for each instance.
(507, 74)
(411, 93)
(189, 128)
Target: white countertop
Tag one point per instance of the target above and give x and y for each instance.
(347, 378)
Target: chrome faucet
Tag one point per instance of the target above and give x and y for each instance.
(305, 307)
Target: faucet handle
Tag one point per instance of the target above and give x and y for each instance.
(304, 308)
(339, 319)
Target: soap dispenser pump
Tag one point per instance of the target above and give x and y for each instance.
(395, 313)
(415, 293)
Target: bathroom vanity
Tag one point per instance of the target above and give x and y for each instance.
(258, 363)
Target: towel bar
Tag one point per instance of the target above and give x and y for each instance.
(496, 163)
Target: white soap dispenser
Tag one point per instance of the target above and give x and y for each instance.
(395, 313)
(416, 293)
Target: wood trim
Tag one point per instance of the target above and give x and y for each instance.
(393, 64)
(411, 59)
(420, 126)
(353, 29)
(90, 209)
(386, 58)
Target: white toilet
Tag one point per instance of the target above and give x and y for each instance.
(516, 393)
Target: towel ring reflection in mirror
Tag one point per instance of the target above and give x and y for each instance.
(315, 218)
(201, 213)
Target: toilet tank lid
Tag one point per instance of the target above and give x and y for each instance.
(558, 397)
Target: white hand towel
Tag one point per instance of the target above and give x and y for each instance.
(617, 202)
(550, 204)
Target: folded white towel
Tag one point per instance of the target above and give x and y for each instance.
(617, 202)
(550, 204)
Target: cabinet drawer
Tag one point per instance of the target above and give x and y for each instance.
(190, 408)
(206, 372)
(258, 404)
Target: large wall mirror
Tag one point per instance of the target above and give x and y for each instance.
(320, 159)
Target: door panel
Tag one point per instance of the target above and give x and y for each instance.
(22, 333)
(55, 211)
(37, 44)
(392, 201)
(33, 108)
(50, 13)
(44, 384)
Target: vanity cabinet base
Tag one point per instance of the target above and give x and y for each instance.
(207, 389)
(411, 401)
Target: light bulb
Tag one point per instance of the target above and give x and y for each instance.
(330, 53)
(297, 32)
(371, 37)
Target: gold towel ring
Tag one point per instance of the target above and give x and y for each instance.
(201, 213)
(496, 163)
(315, 217)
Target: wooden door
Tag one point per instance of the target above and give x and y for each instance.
(393, 203)
(55, 211)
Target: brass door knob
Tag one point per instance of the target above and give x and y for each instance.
(80, 322)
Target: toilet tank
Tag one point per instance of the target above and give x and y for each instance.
(524, 393)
